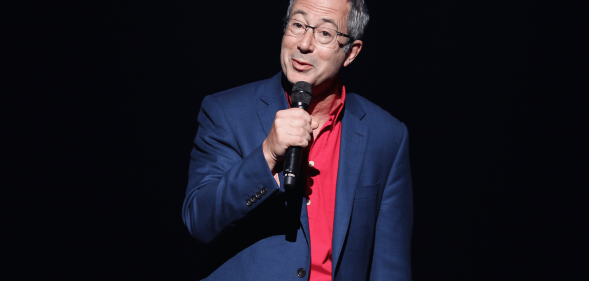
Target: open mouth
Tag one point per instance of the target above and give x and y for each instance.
(300, 65)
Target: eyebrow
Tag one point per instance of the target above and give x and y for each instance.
(301, 12)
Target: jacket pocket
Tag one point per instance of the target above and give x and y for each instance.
(367, 191)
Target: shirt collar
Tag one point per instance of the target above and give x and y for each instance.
(336, 110)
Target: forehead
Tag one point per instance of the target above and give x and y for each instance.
(322, 11)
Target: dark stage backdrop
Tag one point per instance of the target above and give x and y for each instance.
(102, 99)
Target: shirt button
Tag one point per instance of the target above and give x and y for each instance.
(248, 202)
(308, 201)
(301, 272)
(311, 164)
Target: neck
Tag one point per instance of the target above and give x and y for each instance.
(326, 98)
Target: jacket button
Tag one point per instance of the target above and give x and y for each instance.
(254, 199)
(264, 191)
(301, 272)
(248, 202)
(259, 195)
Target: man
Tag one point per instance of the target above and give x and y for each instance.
(350, 216)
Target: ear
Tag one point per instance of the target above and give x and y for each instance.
(353, 52)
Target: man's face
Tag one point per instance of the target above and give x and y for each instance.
(302, 58)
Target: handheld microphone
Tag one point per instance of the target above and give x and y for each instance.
(300, 98)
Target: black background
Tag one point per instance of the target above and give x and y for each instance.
(102, 98)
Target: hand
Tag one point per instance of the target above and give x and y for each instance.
(291, 127)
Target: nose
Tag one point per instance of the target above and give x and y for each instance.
(306, 42)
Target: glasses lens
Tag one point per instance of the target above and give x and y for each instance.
(296, 27)
(324, 35)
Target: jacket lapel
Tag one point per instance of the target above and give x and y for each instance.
(354, 141)
(273, 99)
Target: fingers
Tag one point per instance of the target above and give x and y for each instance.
(308, 128)
(305, 116)
(300, 113)
(299, 123)
(300, 134)
(293, 136)
(299, 141)
(292, 127)
(295, 117)
(296, 113)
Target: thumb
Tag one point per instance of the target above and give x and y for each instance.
(314, 124)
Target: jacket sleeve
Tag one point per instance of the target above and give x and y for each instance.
(221, 178)
(392, 245)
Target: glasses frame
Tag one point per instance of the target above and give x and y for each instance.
(287, 20)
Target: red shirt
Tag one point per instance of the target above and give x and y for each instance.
(321, 171)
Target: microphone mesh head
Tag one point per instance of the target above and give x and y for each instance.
(302, 86)
(302, 92)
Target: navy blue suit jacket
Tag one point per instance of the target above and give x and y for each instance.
(373, 210)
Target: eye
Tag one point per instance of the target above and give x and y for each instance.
(326, 34)
(297, 25)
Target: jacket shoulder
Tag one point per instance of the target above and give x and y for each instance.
(242, 96)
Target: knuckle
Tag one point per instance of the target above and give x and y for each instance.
(301, 112)
(305, 143)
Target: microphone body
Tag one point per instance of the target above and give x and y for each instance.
(300, 98)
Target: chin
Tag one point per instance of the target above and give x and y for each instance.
(294, 76)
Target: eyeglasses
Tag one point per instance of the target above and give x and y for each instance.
(322, 35)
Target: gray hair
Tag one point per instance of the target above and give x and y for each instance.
(357, 20)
